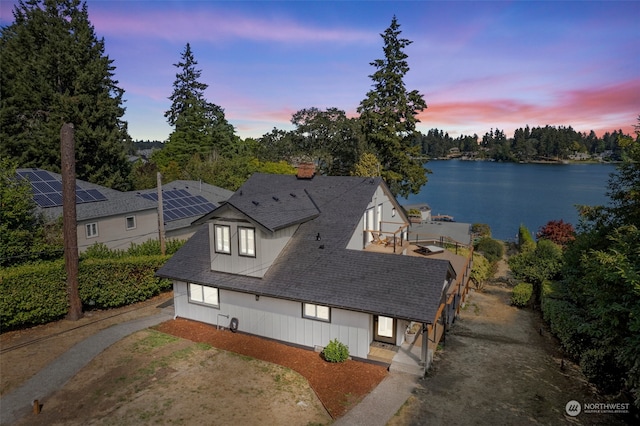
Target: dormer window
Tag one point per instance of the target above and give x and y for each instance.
(247, 241)
(223, 239)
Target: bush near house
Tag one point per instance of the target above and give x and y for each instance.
(336, 351)
(521, 295)
(36, 293)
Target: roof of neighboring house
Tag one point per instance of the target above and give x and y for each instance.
(213, 196)
(320, 271)
(110, 202)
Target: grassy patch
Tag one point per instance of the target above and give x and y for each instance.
(155, 339)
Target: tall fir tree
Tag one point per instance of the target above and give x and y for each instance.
(54, 70)
(200, 127)
(389, 115)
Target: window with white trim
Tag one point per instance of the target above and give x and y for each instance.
(246, 241)
(223, 239)
(317, 312)
(204, 295)
(131, 222)
(91, 229)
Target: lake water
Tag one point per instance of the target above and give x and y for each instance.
(505, 195)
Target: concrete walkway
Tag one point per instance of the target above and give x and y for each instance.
(377, 408)
(19, 402)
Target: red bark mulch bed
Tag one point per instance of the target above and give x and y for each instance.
(338, 386)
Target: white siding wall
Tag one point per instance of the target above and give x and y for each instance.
(268, 247)
(113, 232)
(279, 319)
(382, 207)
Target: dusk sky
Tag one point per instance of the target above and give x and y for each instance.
(479, 65)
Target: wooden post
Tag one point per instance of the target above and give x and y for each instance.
(163, 248)
(70, 233)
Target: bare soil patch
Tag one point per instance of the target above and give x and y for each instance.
(194, 372)
(155, 378)
(500, 365)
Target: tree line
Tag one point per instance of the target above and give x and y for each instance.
(55, 70)
(527, 144)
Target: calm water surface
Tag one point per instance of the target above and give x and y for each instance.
(505, 195)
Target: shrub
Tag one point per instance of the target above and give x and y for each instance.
(521, 294)
(336, 351)
(148, 248)
(490, 248)
(525, 240)
(481, 270)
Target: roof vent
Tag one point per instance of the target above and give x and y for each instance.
(255, 203)
(275, 198)
(292, 194)
(306, 171)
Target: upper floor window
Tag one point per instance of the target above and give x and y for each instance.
(223, 238)
(203, 294)
(131, 222)
(247, 241)
(91, 229)
(317, 312)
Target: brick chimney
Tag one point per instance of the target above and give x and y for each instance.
(306, 171)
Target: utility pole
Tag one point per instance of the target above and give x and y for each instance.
(70, 232)
(163, 248)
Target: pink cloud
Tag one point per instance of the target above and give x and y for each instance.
(602, 109)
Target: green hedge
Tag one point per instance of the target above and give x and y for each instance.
(565, 319)
(521, 295)
(36, 293)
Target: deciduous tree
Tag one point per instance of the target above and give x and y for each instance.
(558, 231)
(24, 236)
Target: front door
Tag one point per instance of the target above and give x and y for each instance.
(384, 329)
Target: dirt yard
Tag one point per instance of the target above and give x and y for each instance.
(498, 367)
(181, 372)
(155, 378)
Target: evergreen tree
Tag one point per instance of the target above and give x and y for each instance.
(388, 116)
(54, 70)
(200, 127)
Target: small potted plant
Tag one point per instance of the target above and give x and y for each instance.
(412, 332)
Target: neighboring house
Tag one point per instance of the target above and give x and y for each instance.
(295, 259)
(118, 219)
(423, 208)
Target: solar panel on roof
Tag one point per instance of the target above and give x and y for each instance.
(180, 204)
(47, 189)
(43, 174)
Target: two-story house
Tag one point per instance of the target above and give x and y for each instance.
(118, 219)
(299, 259)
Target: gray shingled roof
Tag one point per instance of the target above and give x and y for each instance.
(324, 272)
(118, 202)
